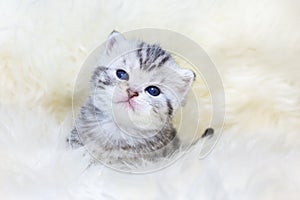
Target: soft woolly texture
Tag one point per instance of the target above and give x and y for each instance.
(255, 46)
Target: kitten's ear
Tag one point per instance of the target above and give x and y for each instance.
(113, 40)
(187, 77)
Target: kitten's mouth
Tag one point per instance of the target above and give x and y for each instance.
(128, 103)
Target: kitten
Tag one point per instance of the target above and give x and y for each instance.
(136, 89)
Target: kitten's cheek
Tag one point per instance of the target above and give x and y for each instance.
(132, 102)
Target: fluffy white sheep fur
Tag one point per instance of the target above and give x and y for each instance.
(255, 46)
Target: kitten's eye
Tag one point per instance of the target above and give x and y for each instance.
(121, 74)
(153, 90)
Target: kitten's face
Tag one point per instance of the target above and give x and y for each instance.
(139, 85)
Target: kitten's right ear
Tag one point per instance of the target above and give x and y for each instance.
(113, 40)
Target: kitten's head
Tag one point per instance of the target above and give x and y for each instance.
(139, 85)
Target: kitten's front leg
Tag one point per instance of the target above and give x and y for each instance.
(74, 139)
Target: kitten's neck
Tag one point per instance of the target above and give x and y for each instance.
(135, 137)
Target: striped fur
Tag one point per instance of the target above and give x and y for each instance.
(111, 130)
(151, 56)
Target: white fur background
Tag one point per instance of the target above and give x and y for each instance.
(255, 45)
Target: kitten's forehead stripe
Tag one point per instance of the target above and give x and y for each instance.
(163, 61)
(158, 52)
(141, 62)
(151, 56)
(139, 54)
(148, 55)
(152, 67)
(148, 50)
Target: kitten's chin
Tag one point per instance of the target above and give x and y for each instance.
(136, 121)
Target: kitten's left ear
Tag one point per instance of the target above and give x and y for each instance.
(187, 77)
(113, 40)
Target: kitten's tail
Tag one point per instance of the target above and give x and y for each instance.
(209, 132)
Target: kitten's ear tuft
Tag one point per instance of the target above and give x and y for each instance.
(113, 40)
(188, 77)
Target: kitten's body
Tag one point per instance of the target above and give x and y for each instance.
(109, 144)
(124, 120)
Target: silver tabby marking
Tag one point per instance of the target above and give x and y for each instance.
(121, 121)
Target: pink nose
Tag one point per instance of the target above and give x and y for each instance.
(131, 93)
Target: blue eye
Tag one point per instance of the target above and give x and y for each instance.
(121, 74)
(153, 90)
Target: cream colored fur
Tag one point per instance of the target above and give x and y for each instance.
(255, 46)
